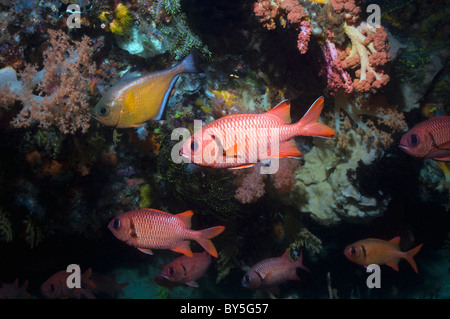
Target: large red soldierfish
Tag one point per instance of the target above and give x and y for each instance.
(240, 140)
(186, 269)
(381, 252)
(429, 139)
(148, 229)
(273, 271)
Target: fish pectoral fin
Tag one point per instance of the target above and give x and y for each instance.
(442, 159)
(192, 283)
(242, 166)
(289, 149)
(232, 152)
(183, 248)
(261, 275)
(130, 103)
(146, 251)
(444, 146)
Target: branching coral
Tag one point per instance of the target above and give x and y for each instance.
(62, 85)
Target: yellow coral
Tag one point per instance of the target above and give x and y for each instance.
(145, 196)
(121, 23)
(229, 98)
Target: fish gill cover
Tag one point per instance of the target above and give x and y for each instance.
(64, 176)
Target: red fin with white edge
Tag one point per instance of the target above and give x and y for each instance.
(186, 218)
(282, 111)
(183, 247)
(289, 149)
(309, 125)
(145, 251)
(242, 166)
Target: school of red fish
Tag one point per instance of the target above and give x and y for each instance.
(228, 142)
(233, 142)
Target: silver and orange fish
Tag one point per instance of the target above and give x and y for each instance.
(273, 271)
(136, 99)
(148, 229)
(240, 140)
(186, 269)
(429, 139)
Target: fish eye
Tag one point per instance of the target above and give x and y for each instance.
(194, 146)
(103, 111)
(116, 223)
(414, 140)
(171, 271)
(247, 278)
(352, 250)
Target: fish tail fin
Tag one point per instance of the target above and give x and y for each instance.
(409, 257)
(204, 237)
(309, 125)
(189, 64)
(299, 262)
(86, 278)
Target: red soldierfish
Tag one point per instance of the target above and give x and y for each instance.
(429, 139)
(381, 252)
(56, 287)
(148, 229)
(240, 140)
(273, 271)
(187, 269)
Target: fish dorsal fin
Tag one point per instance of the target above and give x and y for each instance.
(183, 248)
(130, 104)
(289, 149)
(286, 254)
(282, 111)
(396, 241)
(186, 218)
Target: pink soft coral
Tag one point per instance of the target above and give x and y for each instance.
(62, 85)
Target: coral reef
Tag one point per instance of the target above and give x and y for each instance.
(355, 63)
(63, 175)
